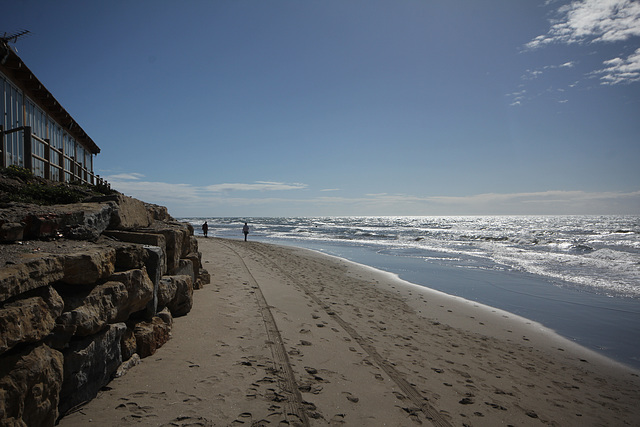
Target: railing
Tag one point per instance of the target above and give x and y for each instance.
(46, 165)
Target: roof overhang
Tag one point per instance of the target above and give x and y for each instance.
(13, 67)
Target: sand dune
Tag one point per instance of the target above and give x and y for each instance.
(285, 336)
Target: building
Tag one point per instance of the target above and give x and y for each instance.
(36, 132)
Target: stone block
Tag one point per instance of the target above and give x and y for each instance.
(151, 335)
(176, 293)
(30, 384)
(36, 273)
(11, 231)
(204, 276)
(185, 268)
(110, 302)
(29, 320)
(89, 267)
(89, 365)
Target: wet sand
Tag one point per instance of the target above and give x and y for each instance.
(286, 336)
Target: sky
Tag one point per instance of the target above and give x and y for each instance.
(350, 107)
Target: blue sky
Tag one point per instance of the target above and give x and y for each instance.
(286, 108)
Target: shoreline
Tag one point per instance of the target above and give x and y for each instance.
(605, 326)
(482, 313)
(292, 335)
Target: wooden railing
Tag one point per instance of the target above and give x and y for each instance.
(77, 171)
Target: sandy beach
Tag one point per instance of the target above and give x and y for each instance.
(286, 336)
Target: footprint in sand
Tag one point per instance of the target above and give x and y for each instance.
(350, 397)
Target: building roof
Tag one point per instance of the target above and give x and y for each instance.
(13, 67)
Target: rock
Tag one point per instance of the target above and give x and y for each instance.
(128, 364)
(155, 269)
(89, 364)
(204, 276)
(86, 268)
(177, 241)
(158, 213)
(139, 288)
(195, 258)
(30, 384)
(147, 239)
(128, 344)
(29, 320)
(150, 336)
(127, 213)
(185, 268)
(129, 256)
(167, 289)
(84, 221)
(33, 274)
(176, 293)
(77, 221)
(166, 316)
(11, 231)
(114, 301)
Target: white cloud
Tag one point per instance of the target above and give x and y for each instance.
(257, 186)
(620, 70)
(330, 189)
(596, 21)
(124, 177)
(185, 200)
(592, 21)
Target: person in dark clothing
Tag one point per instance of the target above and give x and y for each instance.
(205, 228)
(245, 230)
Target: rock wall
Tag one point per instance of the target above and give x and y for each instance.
(86, 290)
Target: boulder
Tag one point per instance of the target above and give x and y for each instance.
(29, 320)
(127, 213)
(167, 289)
(177, 240)
(30, 384)
(11, 231)
(146, 239)
(195, 258)
(183, 300)
(90, 266)
(158, 213)
(89, 364)
(113, 301)
(129, 256)
(77, 221)
(204, 276)
(128, 344)
(139, 286)
(151, 335)
(185, 268)
(35, 273)
(176, 293)
(84, 221)
(155, 269)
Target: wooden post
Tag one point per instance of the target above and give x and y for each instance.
(28, 163)
(47, 158)
(2, 148)
(61, 164)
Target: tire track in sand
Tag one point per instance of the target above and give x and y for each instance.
(294, 408)
(414, 395)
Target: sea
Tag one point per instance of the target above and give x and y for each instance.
(577, 275)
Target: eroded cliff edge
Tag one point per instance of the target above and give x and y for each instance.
(86, 290)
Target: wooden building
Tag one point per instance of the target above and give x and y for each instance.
(36, 132)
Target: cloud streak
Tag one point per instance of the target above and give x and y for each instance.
(620, 70)
(185, 200)
(257, 186)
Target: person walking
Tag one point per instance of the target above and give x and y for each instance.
(205, 228)
(245, 230)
